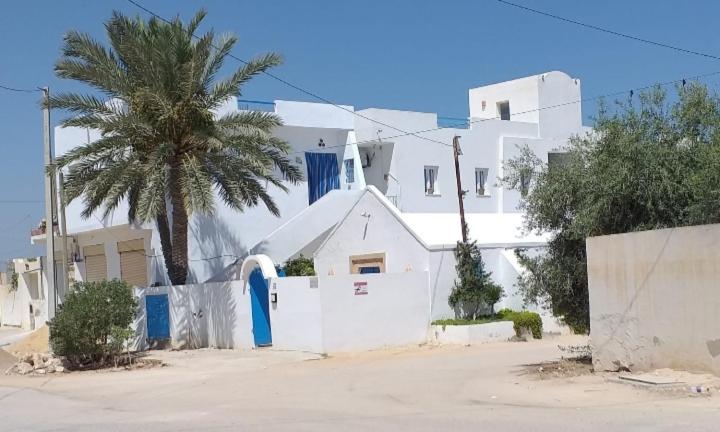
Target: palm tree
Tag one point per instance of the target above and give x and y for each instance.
(163, 149)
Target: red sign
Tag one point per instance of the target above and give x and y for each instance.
(360, 288)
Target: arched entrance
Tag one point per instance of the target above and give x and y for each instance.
(256, 270)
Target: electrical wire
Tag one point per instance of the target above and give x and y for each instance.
(582, 100)
(608, 31)
(294, 86)
(19, 90)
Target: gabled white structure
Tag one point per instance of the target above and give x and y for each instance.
(411, 172)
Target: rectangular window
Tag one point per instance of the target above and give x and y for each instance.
(350, 170)
(431, 185)
(481, 175)
(368, 263)
(503, 109)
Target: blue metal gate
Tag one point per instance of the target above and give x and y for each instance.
(157, 311)
(260, 306)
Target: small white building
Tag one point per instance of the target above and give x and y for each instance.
(414, 191)
(24, 304)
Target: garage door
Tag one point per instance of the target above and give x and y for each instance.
(95, 263)
(133, 263)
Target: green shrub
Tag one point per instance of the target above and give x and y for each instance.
(505, 313)
(461, 321)
(526, 319)
(474, 288)
(93, 323)
(300, 266)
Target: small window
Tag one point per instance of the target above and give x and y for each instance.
(431, 185)
(350, 170)
(481, 175)
(368, 263)
(504, 110)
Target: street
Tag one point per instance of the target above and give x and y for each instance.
(482, 387)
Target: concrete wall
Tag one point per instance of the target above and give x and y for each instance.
(296, 317)
(472, 334)
(225, 321)
(654, 299)
(394, 311)
(326, 314)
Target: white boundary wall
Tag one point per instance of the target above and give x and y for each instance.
(326, 314)
(654, 299)
(225, 321)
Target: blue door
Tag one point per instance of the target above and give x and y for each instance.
(322, 174)
(157, 312)
(260, 305)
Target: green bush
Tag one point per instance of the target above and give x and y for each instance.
(474, 288)
(300, 266)
(93, 323)
(526, 319)
(505, 313)
(461, 321)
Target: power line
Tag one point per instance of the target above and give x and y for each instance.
(20, 201)
(608, 31)
(19, 90)
(294, 86)
(583, 100)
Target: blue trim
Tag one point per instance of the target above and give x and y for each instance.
(256, 102)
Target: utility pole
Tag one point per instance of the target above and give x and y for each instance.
(457, 152)
(49, 208)
(63, 235)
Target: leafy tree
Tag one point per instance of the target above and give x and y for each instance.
(300, 266)
(93, 322)
(647, 165)
(163, 148)
(474, 288)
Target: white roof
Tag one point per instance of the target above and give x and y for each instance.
(488, 229)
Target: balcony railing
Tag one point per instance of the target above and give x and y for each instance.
(255, 105)
(453, 122)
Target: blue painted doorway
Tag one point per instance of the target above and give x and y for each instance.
(157, 313)
(323, 174)
(260, 306)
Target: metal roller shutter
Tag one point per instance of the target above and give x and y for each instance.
(95, 263)
(133, 263)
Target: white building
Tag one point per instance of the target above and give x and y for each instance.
(24, 303)
(415, 172)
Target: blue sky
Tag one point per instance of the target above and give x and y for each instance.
(403, 54)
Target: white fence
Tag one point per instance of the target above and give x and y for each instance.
(318, 314)
(203, 315)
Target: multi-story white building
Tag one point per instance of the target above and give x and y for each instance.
(341, 153)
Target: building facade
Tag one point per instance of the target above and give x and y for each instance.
(414, 171)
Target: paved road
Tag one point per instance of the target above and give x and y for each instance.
(421, 389)
(9, 335)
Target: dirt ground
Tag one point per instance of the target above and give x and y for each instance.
(35, 342)
(485, 387)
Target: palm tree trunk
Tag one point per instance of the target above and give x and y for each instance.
(165, 241)
(179, 255)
